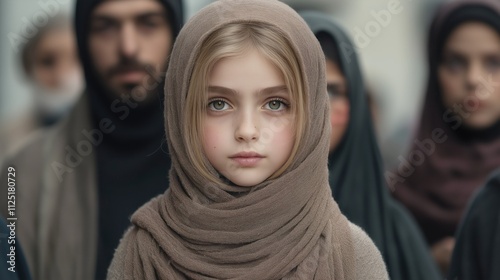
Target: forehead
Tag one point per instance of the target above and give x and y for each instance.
(123, 9)
(471, 36)
(54, 37)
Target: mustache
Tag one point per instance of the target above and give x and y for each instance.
(128, 65)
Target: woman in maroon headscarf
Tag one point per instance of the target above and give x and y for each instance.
(458, 141)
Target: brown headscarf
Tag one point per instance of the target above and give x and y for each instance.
(437, 190)
(284, 228)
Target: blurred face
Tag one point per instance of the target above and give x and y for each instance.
(469, 74)
(247, 130)
(55, 59)
(129, 44)
(339, 103)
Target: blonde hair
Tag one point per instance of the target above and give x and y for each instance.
(233, 40)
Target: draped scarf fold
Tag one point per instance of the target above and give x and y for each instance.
(284, 228)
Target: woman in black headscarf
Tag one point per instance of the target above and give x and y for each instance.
(458, 142)
(356, 171)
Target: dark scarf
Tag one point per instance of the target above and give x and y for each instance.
(437, 191)
(477, 250)
(356, 173)
(132, 160)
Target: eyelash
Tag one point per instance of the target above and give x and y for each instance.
(282, 101)
(212, 101)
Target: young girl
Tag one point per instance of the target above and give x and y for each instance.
(458, 142)
(248, 130)
(355, 163)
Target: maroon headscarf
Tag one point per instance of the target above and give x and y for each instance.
(448, 161)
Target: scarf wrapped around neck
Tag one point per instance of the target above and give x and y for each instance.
(284, 228)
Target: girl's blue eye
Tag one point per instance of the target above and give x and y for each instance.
(218, 105)
(276, 105)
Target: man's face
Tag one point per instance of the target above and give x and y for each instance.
(129, 42)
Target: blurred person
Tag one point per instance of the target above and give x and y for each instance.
(51, 67)
(80, 181)
(458, 141)
(50, 62)
(355, 166)
(477, 250)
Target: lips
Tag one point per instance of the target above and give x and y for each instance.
(130, 76)
(247, 159)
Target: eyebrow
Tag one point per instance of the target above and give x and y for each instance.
(140, 16)
(452, 52)
(228, 91)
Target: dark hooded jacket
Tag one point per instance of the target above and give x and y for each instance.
(356, 173)
(84, 177)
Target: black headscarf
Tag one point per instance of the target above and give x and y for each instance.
(356, 174)
(132, 161)
(477, 249)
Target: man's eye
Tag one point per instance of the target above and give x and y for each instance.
(149, 23)
(102, 27)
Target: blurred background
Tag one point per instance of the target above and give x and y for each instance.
(391, 51)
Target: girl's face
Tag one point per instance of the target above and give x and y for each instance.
(248, 130)
(469, 74)
(339, 103)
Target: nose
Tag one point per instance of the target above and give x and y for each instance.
(247, 127)
(474, 76)
(128, 41)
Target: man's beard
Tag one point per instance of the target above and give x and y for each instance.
(142, 92)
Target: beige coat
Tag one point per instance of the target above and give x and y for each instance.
(56, 203)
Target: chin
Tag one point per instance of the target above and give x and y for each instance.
(246, 182)
(479, 122)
